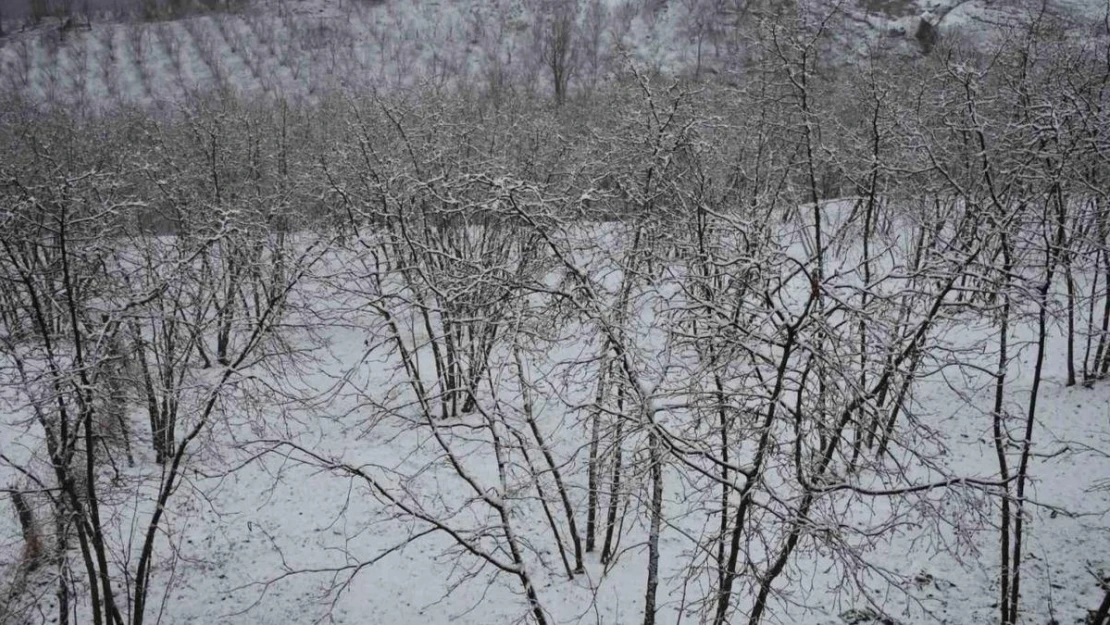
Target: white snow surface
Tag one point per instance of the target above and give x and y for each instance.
(268, 539)
(303, 50)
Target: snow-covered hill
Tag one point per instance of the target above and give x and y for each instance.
(301, 49)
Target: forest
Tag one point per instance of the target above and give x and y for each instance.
(814, 337)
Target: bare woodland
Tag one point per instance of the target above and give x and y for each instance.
(686, 330)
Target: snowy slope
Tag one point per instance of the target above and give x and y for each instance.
(268, 539)
(303, 49)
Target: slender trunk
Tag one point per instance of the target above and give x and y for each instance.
(722, 415)
(32, 543)
(608, 551)
(899, 401)
(1088, 373)
(154, 412)
(572, 526)
(61, 547)
(117, 396)
(595, 441)
(87, 419)
(1070, 282)
(615, 481)
(1102, 363)
(442, 372)
(450, 342)
(1001, 436)
(868, 218)
(1063, 252)
(656, 459)
(859, 433)
(546, 508)
(1096, 365)
(226, 313)
(724, 593)
(507, 528)
(1027, 438)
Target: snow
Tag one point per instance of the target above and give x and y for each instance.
(279, 538)
(272, 524)
(303, 50)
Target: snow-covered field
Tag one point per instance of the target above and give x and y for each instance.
(268, 528)
(276, 515)
(303, 50)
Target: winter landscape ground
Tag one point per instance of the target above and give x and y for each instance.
(555, 312)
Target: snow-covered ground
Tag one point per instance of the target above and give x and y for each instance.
(276, 510)
(301, 50)
(263, 532)
(270, 526)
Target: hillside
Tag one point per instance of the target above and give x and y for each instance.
(108, 53)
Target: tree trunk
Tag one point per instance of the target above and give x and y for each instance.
(32, 542)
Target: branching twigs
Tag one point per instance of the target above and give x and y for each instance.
(515, 566)
(719, 319)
